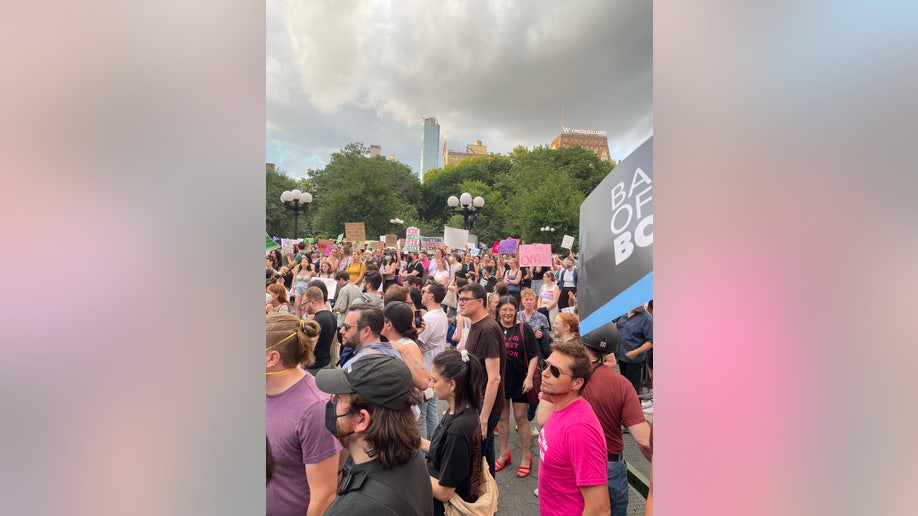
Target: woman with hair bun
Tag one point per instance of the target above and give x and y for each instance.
(454, 452)
(305, 453)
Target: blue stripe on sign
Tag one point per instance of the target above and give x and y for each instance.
(638, 293)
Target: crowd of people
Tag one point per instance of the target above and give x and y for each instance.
(362, 344)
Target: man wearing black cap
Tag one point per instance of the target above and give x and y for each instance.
(615, 403)
(370, 413)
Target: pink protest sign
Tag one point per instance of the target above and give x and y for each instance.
(534, 255)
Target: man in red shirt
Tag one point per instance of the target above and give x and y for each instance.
(615, 403)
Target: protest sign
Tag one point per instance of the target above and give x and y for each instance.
(270, 243)
(455, 237)
(567, 242)
(412, 240)
(474, 251)
(331, 284)
(616, 242)
(355, 231)
(391, 240)
(534, 255)
(508, 246)
(377, 245)
(495, 247)
(287, 244)
(340, 238)
(431, 243)
(329, 248)
(322, 244)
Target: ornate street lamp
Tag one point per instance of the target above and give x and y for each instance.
(296, 201)
(469, 208)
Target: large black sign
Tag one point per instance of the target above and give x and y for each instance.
(616, 242)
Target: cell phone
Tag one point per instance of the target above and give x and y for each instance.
(417, 319)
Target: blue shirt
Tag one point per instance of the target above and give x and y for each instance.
(633, 332)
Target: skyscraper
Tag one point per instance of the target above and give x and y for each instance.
(430, 146)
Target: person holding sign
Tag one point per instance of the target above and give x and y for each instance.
(514, 279)
(567, 280)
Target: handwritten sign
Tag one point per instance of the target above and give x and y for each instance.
(508, 246)
(355, 231)
(495, 246)
(391, 240)
(269, 242)
(431, 243)
(412, 240)
(567, 241)
(534, 255)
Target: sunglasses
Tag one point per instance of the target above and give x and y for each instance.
(545, 365)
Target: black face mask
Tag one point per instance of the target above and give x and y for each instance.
(331, 419)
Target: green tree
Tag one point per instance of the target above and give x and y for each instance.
(356, 188)
(278, 221)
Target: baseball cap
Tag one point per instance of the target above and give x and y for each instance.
(603, 339)
(382, 380)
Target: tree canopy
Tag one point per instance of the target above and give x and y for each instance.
(524, 191)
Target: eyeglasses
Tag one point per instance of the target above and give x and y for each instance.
(553, 369)
(349, 326)
(467, 299)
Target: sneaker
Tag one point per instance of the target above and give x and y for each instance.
(536, 492)
(648, 411)
(647, 404)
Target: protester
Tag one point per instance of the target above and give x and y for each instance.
(399, 329)
(572, 450)
(536, 320)
(389, 269)
(615, 403)
(549, 296)
(485, 342)
(454, 449)
(514, 279)
(326, 269)
(347, 292)
(635, 339)
(356, 268)
(432, 342)
(370, 413)
(566, 327)
(305, 457)
(567, 281)
(278, 303)
(303, 274)
(315, 309)
(522, 357)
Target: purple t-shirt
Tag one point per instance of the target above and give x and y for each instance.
(297, 434)
(572, 454)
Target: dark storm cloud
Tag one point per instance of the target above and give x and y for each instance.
(495, 71)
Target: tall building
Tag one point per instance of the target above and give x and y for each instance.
(430, 146)
(594, 141)
(475, 150)
(375, 150)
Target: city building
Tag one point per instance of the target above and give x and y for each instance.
(594, 141)
(430, 146)
(375, 150)
(475, 150)
(270, 167)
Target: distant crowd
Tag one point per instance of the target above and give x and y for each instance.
(361, 344)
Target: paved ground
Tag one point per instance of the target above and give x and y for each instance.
(516, 495)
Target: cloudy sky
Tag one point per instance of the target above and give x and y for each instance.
(498, 71)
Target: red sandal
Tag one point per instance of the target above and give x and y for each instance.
(523, 471)
(501, 464)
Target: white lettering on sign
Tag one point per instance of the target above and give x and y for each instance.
(626, 208)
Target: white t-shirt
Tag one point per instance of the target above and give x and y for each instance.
(434, 335)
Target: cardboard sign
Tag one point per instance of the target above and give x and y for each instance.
(322, 244)
(455, 237)
(534, 255)
(355, 231)
(412, 240)
(391, 240)
(508, 246)
(377, 245)
(287, 244)
(567, 242)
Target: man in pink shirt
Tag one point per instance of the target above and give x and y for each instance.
(572, 447)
